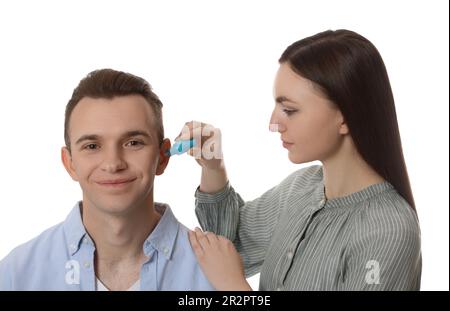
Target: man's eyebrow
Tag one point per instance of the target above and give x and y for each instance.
(125, 135)
(86, 137)
(136, 133)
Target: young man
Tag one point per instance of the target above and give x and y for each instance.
(117, 237)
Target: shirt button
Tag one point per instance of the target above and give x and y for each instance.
(87, 264)
(322, 202)
(290, 255)
(279, 289)
(73, 247)
(165, 250)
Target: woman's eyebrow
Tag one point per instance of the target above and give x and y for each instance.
(282, 99)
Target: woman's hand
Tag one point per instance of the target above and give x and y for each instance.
(208, 150)
(219, 260)
(207, 153)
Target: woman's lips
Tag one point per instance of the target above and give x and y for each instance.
(287, 145)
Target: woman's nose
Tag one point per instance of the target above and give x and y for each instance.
(274, 124)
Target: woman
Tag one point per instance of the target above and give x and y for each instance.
(348, 224)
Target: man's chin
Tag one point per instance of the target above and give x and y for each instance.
(115, 207)
(116, 210)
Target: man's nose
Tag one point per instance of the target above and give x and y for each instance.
(113, 161)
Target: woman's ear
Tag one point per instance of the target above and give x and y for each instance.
(163, 157)
(343, 128)
(66, 159)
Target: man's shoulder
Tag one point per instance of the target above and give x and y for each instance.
(183, 258)
(183, 249)
(38, 248)
(183, 243)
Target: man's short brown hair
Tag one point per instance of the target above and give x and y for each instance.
(109, 83)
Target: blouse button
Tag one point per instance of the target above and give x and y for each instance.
(290, 255)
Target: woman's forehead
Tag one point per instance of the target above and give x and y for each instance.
(290, 85)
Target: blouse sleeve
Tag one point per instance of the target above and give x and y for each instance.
(385, 258)
(249, 225)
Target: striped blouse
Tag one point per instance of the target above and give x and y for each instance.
(298, 240)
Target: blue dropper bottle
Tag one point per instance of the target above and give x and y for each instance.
(181, 147)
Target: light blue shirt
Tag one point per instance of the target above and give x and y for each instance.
(62, 258)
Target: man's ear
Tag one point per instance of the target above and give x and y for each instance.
(66, 158)
(163, 157)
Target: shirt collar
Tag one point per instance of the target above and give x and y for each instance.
(74, 229)
(163, 237)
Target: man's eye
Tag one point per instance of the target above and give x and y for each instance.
(134, 143)
(91, 146)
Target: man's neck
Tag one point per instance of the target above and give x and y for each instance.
(119, 242)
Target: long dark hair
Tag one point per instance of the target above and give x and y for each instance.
(351, 72)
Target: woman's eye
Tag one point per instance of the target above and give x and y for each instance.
(289, 111)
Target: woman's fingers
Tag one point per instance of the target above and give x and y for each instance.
(206, 239)
(193, 124)
(196, 246)
(207, 150)
(219, 260)
(187, 134)
(191, 129)
(195, 152)
(198, 130)
(212, 238)
(201, 238)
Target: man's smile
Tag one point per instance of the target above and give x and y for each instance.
(116, 183)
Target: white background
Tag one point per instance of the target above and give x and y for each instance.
(212, 61)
